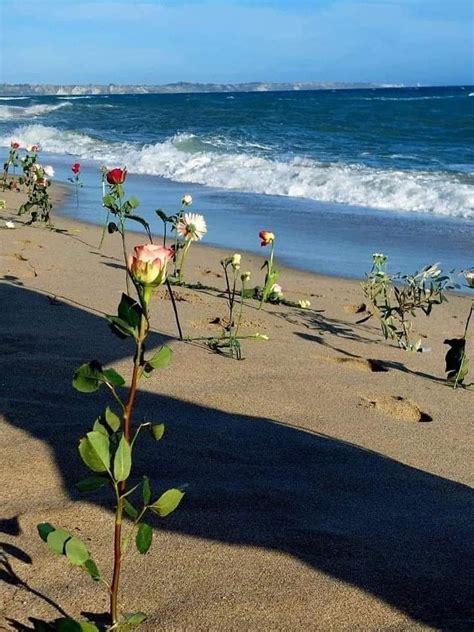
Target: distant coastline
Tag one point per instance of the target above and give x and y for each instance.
(30, 89)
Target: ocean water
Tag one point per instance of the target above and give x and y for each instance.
(336, 175)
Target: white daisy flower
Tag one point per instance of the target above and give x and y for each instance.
(192, 226)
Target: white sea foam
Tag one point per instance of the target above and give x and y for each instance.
(74, 97)
(14, 112)
(186, 158)
(13, 98)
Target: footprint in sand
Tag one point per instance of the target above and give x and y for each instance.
(397, 407)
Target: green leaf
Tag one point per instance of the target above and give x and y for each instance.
(135, 619)
(57, 539)
(44, 529)
(146, 490)
(122, 460)
(113, 420)
(129, 508)
(91, 568)
(67, 625)
(167, 502)
(113, 377)
(143, 222)
(87, 626)
(120, 327)
(133, 202)
(129, 311)
(88, 377)
(109, 201)
(160, 360)
(91, 483)
(76, 552)
(157, 430)
(162, 215)
(95, 451)
(144, 537)
(99, 427)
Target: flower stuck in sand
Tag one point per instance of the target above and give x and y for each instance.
(9, 224)
(14, 145)
(33, 149)
(3, 204)
(116, 176)
(276, 289)
(469, 276)
(192, 227)
(187, 200)
(148, 265)
(76, 168)
(235, 261)
(266, 237)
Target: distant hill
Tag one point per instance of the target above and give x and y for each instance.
(30, 89)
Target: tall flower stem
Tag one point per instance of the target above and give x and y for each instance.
(266, 289)
(183, 258)
(464, 348)
(122, 485)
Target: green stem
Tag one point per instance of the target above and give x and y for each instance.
(266, 289)
(464, 350)
(183, 258)
(241, 309)
(122, 485)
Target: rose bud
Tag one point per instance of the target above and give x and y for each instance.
(148, 265)
(116, 176)
(76, 167)
(266, 237)
(187, 200)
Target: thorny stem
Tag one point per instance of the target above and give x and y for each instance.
(122, 485)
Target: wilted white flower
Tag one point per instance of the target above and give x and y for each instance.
(304, 304)
(276, 289)
(9, 224)
(187, 200)
(49, 171)
(245, 276)
(3, 204)
(469, 276)
(235, 261)
(260, 336)
(192, 226)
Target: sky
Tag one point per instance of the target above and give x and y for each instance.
(165, 41)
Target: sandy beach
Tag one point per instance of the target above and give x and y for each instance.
(330, 473)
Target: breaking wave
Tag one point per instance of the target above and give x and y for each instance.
(187, 158)
(14, 112)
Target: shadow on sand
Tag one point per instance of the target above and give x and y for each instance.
(400, 533)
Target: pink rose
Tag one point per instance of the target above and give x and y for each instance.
(14, 145)
(148, 265)
(116, 176)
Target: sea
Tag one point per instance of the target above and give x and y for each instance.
(335, 174)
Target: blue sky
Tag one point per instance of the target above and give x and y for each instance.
(162, 41)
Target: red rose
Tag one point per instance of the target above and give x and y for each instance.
(15, 145)
(266, 237)
(116, 176)
(76, 167)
